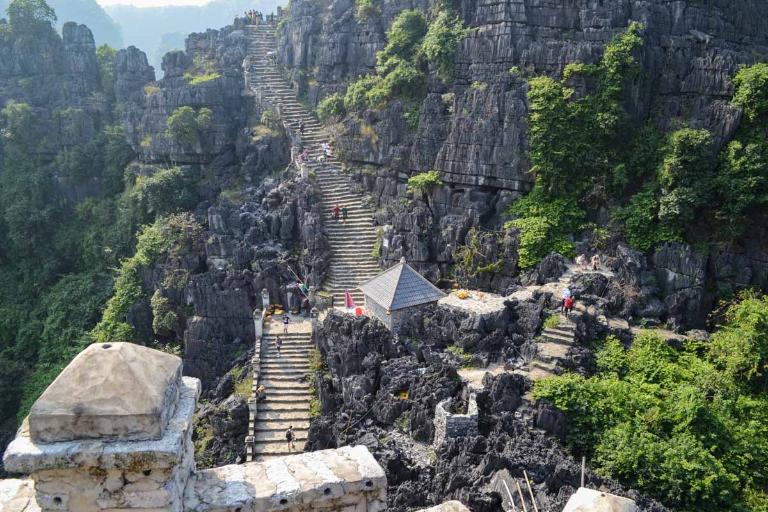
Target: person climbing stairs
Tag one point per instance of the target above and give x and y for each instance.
(351, 242)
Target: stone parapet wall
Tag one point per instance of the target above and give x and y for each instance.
(449, 425)
(347, 479)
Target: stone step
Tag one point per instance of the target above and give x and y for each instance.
(284, 376)
(266, 450)
(281, 426)
(284, 359)
(542, 365)
(282, 384)
(277, 367)
(290, 402)
(266, 415)
(279, 435)
(561, 338)
(292, 391)
(293, 407)
(550, 352)
(561, 331)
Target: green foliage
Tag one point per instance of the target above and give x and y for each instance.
(751, 91)
(167, 191)
(154, 242)
(105, 56)
(270, 119)
(424, 181)
(376, 251)
(440, 43)
(688, 159)
(545, 225)
(403, 40)
(686, 426)
(552, 322)
(573, 140)
(185, 126)
(30, 16)
(331, 108)
(367, 9)
(459, 352)
(201, 79)
(164, 318)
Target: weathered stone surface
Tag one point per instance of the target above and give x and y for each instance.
(27, 456)
(116, 391)
(18, 496)
(448, 506)
(347, 478)
(591, 500)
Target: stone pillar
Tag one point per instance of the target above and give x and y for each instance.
(111, 433)
(258, 323)
(265, 299)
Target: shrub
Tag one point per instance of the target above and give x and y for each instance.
(545, 226)
(185, 125)
(356, 97)
(440, 43)
(331, 108)
(30, 16)
(687, 426)
(751, 90)
(425, 181)
(403, 39)
(367, 9)
(201, 79)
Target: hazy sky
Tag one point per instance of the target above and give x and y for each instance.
(153, 3)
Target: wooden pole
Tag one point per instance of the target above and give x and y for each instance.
(530, 491)
(522, 498)
(511, 499)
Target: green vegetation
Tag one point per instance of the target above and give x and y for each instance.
(688, 426)
(552, 322)
(366, 9)
(186, 126)
(30, 17)
(244, 386)
(424, 182)
(376, 251)
(167, 191)
(401, 67)
(155, 241)
(459, 352)
(443, 37)
(201, 79)
(331, 108)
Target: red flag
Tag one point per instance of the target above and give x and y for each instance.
(349, 302)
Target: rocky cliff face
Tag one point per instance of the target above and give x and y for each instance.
(382, 393)
(473, 129)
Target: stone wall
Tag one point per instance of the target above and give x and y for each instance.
(102, 466)
(449, 425)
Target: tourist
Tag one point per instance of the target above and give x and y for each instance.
(305, 306)
(335, 212)
(595, 262)
(344, 214)
(278, 344)
(290, 436)
(286, 320)
(566, 295)
(301, 127)
(326, 150)
(261, 393)
(581, 261)
(567, 306)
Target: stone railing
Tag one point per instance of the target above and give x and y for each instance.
(449, 425)
(113, 433)
(259, 317)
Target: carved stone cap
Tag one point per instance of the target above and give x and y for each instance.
(110, 391)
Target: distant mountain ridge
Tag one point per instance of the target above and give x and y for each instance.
(86, 12)
(157, 30)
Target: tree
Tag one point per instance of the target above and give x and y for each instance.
(105, 56)
(440, 43)
(30, 16)
(185, 125)
(403, 40)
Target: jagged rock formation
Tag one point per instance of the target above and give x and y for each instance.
(473, 128)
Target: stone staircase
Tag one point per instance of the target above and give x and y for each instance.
(286, 379)
(552, 348)
(351, 243)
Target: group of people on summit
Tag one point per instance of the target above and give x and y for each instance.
(254, 17)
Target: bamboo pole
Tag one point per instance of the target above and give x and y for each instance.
(511, 499)
(522, 498)
(530, 491)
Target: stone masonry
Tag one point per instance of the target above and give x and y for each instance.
(449, 425)
(128, 446)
